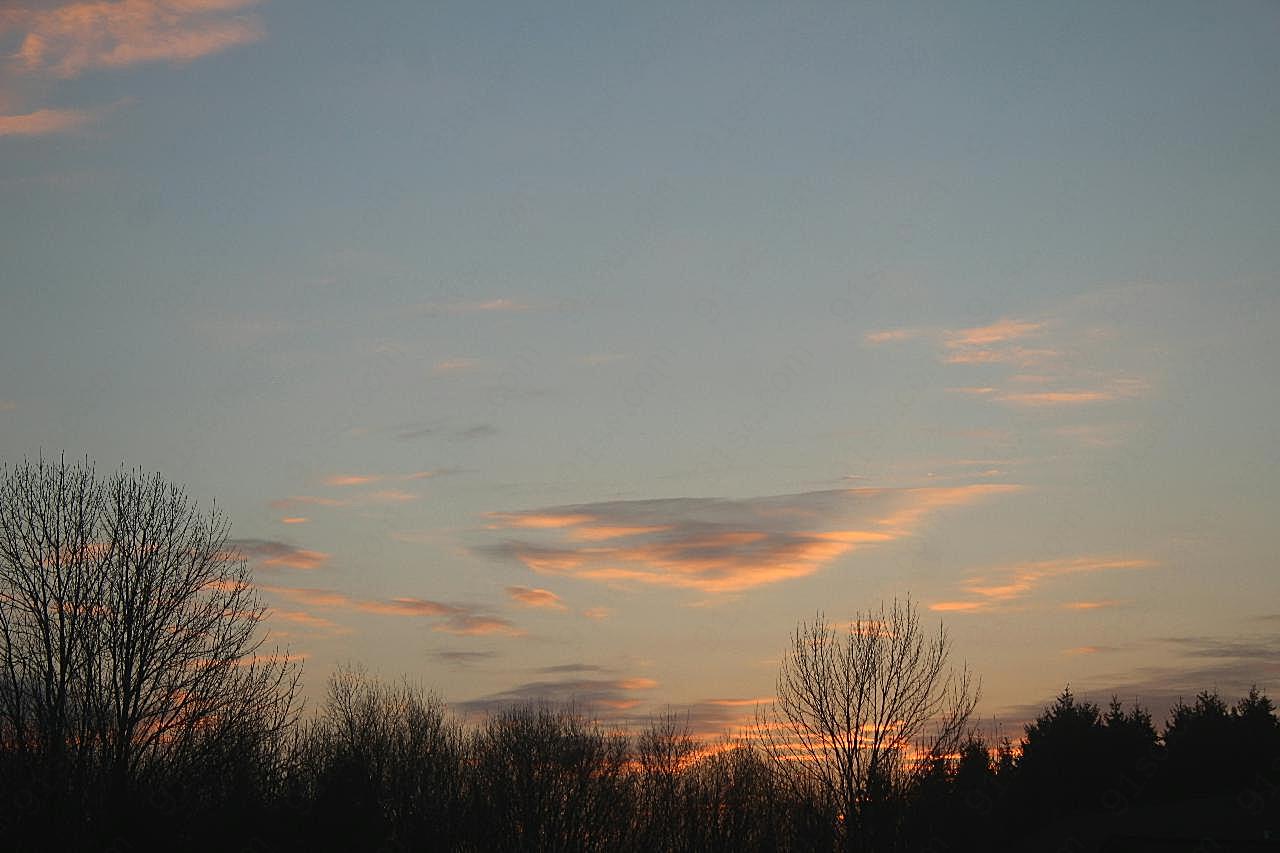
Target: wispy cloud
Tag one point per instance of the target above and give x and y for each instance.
(607, 697)
(1050, 363)
(1091, 605)
(451, 433)
(458, 658)
(1091, 650)
(67, 39)
(271, 553)
(457, 618)
(453, 366)
(46, 122)
(482, 306)
(534, 597)
(308, 621)
(62, 40)
(1007, 585)
(1000, 332)
(886, 336)
(715, 544)
(381, 496)
(367, 479)
(1191, 664)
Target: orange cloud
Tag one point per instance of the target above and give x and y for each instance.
(351, 479)
(998, 332)
(272, 554)
(885, 336)
(597, 614)
(717, 545)
(533, 597)
(45, 122)
(452, 365)
(458, 618)
(309, 620)
(68, 39)
(1089, 605)
(1013, 583)
(295, 519)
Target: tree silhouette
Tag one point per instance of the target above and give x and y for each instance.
(853, 711)
(129, 632)
(1060, 768)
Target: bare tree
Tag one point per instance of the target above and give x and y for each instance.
(129, 628)
(861, 710)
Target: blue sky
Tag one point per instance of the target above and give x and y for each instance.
(582, 350)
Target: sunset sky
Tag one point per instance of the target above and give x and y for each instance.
(578, 351)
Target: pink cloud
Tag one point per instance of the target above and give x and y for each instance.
(68, 39)
(534, 597)
(45, 122)
(717, 545)
(1004, 586)
(457, 618)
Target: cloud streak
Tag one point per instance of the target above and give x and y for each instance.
(1010, 585)
(533, 597)
(46, 122)
(1050, 346)
(456, 618)
(718, 545)
(608, 697)
(271, 553)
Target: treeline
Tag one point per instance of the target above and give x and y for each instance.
(388, 767)
(139, 711)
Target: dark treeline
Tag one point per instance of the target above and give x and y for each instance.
(138, 711)
(388, 767)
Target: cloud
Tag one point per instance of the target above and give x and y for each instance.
(306, 500)
(1116, 388)
(1050, 345)
(1090, 605)
(1091, 650)
(270, 553)
(532, 597)
(1230, 665)
(886, 336)
(46, 122)
(68, 39)
(1003, 586)
(382, 496)
(450, 366)
(561, 668)
(597, 614)
(467, 433)
(484, 306)
(458, 658)
(606, 697)
(366, 479)
(715, 544)
(295, 519)
(999, 332)
(306, 620)
(457, 618)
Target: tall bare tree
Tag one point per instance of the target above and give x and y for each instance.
(129, 628)
(860, 711)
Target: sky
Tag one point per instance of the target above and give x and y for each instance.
(580, 351)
